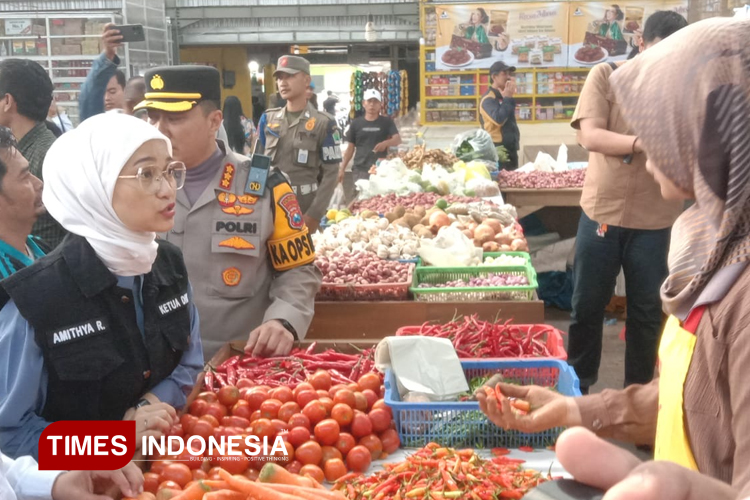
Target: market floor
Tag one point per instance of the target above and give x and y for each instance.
(612, 370)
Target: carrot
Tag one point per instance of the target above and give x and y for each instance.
(215, 484)
(272, 473)
(307, 493)
(315, 483)
(194, 492)
(225, 495)
(256, 490)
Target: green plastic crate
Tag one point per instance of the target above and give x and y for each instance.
(439, 275)
(525, 255)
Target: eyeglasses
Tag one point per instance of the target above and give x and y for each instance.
(150, 178)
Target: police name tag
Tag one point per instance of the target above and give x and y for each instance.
(302, 156)
(256, 181)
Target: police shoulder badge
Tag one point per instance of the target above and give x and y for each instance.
(227, 176)
(231, 276)
(293, 212)
(156, 82)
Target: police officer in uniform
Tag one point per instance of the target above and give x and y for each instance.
(103, 327)
(303, 142)
(241, 230)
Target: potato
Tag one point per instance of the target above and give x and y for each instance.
(391, 216)
(401, 222)
(425, 233)
(490, 246)
(417, 228)
(411, 219)
(400, 211)
(420, 210)
(366, 214)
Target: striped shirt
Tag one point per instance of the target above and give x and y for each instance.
(11, 260)
(34, 146)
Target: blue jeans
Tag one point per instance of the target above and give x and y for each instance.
(642, 254)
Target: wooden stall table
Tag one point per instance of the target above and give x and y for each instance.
(375, 320)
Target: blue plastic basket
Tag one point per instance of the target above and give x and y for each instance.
(462, 424)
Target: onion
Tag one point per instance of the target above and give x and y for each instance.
(437, 220)
(468, 233)
(490, 246)
(503, 239)
(519, 245)
(484, 233)
(494, 224)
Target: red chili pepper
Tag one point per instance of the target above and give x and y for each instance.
(499, 452)
(208, 380)
(527, 449)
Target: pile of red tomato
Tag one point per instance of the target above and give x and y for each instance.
(327, 429)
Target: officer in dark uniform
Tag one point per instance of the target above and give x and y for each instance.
(303, 142)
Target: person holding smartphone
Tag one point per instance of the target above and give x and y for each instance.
(104, 88)
(497, 112)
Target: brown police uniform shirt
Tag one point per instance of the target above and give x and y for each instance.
(308, 151)
(614, 192)
(250, 258)
(716, 395)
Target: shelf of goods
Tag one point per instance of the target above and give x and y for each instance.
(66, 45)
(544, 95)
(392, 85)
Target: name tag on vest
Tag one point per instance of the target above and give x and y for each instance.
(173, 304)
(76, 333)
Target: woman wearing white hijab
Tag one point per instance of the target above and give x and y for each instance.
(104, 327)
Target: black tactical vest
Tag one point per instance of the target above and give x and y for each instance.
(97, 362)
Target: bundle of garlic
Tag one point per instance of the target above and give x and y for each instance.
(374, 235)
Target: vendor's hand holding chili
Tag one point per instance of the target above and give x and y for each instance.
(550, 409)
(106, 323)
(696, 414)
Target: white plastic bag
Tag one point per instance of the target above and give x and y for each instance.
(338, 200)
(450, 248)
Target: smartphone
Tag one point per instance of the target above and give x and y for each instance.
(131, 32)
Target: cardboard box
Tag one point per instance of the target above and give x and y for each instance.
(90, 48)
(73, 27)
(66, 50)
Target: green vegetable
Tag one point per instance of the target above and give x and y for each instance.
(441, 204)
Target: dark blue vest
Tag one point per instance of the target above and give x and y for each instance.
(97, 361)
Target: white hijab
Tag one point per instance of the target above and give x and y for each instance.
(80, 172)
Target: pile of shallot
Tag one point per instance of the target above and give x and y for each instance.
(386, 203)
(541, 180)
(360, 268)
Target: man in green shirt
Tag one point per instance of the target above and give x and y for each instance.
(25, 97)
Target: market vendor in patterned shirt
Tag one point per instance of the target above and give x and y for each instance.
(20, 206)
(25, 97)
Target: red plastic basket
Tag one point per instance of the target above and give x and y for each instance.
(553, 339)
